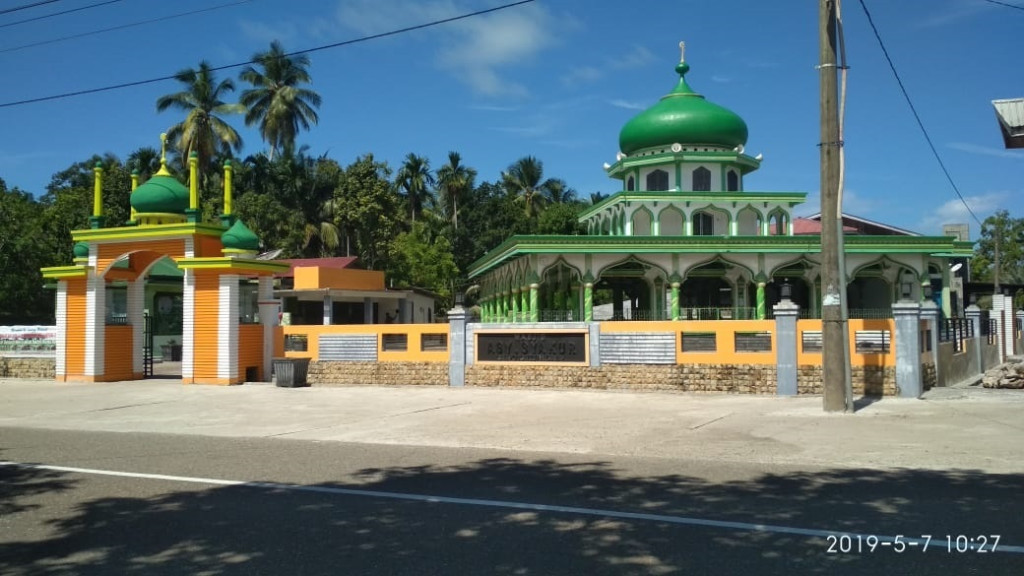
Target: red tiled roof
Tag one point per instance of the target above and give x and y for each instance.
(336, 262)
(802, 226)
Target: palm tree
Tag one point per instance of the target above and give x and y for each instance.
(202, 131)
(276, 100)
(524, 179)
(145, 160)
(454, 181)
(558, 192)
(415, 179)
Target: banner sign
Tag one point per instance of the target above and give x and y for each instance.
(540, 347)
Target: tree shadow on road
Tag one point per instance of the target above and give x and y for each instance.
(277, 530)
(21, 485)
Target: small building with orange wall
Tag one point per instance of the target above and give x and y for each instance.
(219, 345)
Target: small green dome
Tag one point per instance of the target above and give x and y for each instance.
(239, 237)
(161, 193)
(81, 250)
(682, 116)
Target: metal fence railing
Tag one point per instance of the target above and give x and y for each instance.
(955, 330)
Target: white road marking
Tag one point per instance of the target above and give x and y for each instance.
(682, 520)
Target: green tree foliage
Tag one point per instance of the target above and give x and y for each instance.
(22, 254)
(416, 180)
(423, 262)
(367, 211)
(67, 204)
(454, 183)
(1011, 250)
(525, 180)
(277, 101)
(203, 130)
(560, 219)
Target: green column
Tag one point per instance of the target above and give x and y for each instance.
(488, 307)
(524, 303)
(534, 302)
(762, 308)
(515, 305)
(675, 300)
(502, 307)
(588, 302)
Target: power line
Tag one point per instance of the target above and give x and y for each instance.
(45, 16)
(123, 26)
(917, 117)
(27, 6)
(240, 64)
(998, 3)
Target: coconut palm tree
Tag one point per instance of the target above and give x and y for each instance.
(525, 180)
(415, 179)
(277, 101)
(145, 160)
(203, 131)
(454, 181)
(558, 192)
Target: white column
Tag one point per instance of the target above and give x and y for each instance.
(136, 304)
(95, 317)
(60, 360)
(328, 310)
(227, 327)
(268, 317)
(188, 314)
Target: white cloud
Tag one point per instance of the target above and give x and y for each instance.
(637, 57)
(490, 108)
(954, 211)
(619, 103)
(582, 74)
(474, 50)
(986, 150)
(267, 33)
(953, 12)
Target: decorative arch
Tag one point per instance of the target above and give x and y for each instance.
(630, 183)
(719, 259)
(670, 221)
(778, 222)
(732, 180)
(701, 179)
(749, 220)
(632, 258)
(642, 220)
(657, 180)
(702, 229)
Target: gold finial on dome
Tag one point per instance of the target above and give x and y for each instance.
(163, 156)
(682, 51)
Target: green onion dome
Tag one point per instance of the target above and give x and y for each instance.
(683, 117)
(160, 194)
(239, 237)
(81, 250)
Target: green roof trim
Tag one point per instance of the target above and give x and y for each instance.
(522, 245)
(792, 198)
(124, 233)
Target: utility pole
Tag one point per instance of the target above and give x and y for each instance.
(833, 289)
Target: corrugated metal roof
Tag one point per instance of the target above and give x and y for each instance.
(1010, 113)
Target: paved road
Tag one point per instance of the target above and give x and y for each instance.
(141, 503)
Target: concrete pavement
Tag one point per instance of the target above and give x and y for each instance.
(958, 428)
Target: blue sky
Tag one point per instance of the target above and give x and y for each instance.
(556, 79)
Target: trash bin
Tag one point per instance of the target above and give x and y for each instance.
(290, 372)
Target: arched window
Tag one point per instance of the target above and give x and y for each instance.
(733, 181)
(657, 180)
(702, 180)
(631, 184)
(703, 224)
